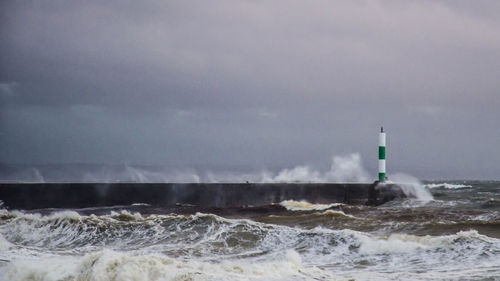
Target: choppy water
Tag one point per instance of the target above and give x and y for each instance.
(456, 236)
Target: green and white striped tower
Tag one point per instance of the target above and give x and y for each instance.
(381, 155)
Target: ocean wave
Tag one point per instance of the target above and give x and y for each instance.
(112, 265)
(140, 204)
(335, 213)
(200, 246)
(447, 185)
(293, 255)
(491, 217)
(293, 205)
(201, 234)
(68, 229)
(311, 219)
(403, 243)
(4, 244)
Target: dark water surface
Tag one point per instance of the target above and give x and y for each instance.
(455, 236)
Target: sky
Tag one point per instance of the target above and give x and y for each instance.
(252, 85)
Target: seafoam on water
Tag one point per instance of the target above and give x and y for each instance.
(293, 205)
(128, 245)
(447, 185)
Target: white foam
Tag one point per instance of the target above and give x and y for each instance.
(140, 204)
(447, 185)
(455, 273)
(412, 187)
(293, 205)
(406, 243)
(338, 213)
(69, 231)
(4, 244)
(125, 246)
(396, 243)
(44, 269)
(111, 265)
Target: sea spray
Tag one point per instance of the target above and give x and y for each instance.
(346, 168)
(134, 174)
(412, 187)
(297, 174)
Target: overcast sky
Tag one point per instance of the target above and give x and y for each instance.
(252, 84)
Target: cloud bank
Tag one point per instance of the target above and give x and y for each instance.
(252, 85)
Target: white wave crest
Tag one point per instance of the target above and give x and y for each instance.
(405, 243)
(412, 187)
(118, 266)
(447, 185)
(127, 246)
(4, 244)
(293, 205)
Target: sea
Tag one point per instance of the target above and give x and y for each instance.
(452, 232)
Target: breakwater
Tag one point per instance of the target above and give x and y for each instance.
(81, 195)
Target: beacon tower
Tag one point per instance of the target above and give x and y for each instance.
(381, 155)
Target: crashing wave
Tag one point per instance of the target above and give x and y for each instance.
(121, 245)
(447, 185)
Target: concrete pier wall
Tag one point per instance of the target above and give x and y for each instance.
(81, 195)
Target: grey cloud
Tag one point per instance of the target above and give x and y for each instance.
(7, 89)
(246, 48)
(273, 83)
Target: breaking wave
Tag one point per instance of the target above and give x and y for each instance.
(412, 187)
(112, 265)
(292, 205)
(447, 185)
(126, 246)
